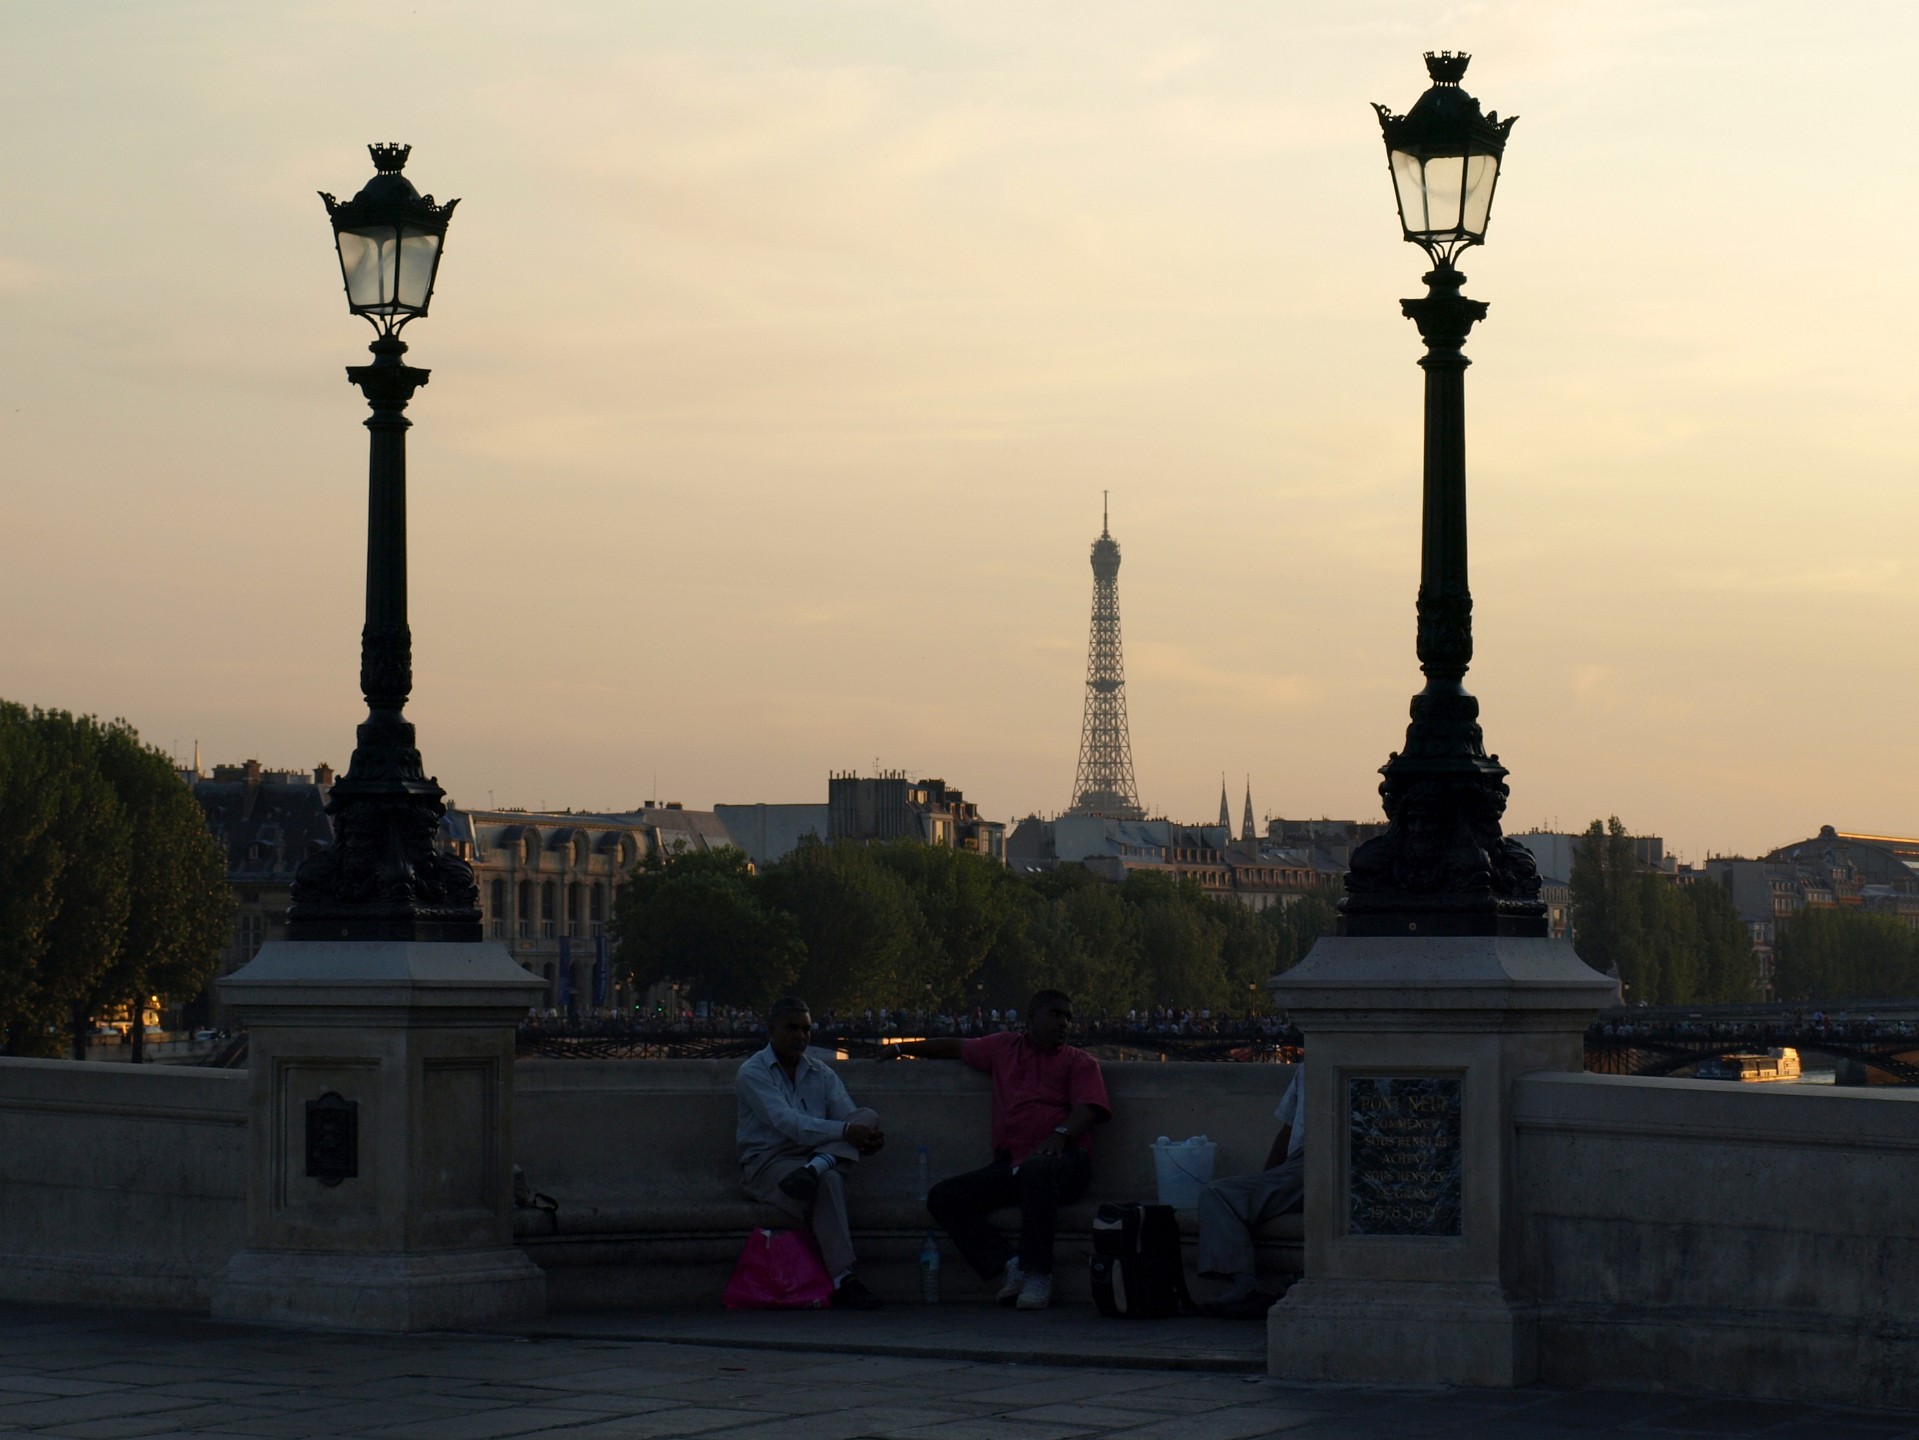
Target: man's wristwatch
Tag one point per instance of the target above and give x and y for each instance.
(1062, 1132)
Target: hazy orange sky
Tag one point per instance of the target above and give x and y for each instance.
(782, 351)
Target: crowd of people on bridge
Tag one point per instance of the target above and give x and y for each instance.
(885, 1021)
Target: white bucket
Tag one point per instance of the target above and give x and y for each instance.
(1181, 1168)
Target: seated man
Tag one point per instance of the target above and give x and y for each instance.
(1230, 1210)
(1047, 1097)
(798, 1130)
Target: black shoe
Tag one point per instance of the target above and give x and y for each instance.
(852, 1295)
(802, 1184)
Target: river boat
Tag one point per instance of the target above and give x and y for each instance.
(1757, 1067)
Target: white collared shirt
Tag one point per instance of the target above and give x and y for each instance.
(781, 1116)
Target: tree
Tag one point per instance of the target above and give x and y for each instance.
(1181, 939)
(1669, 944)
(698, 916)
(1296, 925)
(67, 849)
(1728, 974)
(1086, 941)
(178, 903)
(1609, 930)
(1826, 954)
(967, 906)
(857, 921)
(1248, 956)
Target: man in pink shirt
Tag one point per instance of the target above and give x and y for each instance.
(1047, 1097)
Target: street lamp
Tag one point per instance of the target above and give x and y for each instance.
(384, 877)
(1443, 866)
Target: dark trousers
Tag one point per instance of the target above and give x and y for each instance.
(1043, 1184)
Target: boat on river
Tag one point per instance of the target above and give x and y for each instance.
(1756, 1067)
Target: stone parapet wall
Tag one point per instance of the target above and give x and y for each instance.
(119, 1184)
(1697, 1235)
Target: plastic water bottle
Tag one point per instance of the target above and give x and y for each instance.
(930, 1267)
(925, 1176)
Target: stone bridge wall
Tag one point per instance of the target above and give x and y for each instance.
(1749, 1239)
(1757, 1240)
(119, 1184)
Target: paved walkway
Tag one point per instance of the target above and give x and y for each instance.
(90, 1373)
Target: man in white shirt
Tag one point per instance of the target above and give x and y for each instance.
(1230, 1210)
(798, 1133)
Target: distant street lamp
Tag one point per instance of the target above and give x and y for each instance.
(384, 877)
(1442, 866)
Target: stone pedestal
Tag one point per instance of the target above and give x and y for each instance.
(1413, 1240)
(380, 1136)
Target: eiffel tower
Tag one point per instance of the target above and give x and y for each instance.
(1105, 784)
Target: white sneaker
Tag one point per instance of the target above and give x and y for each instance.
(1011, 1283)
(1036, 1293)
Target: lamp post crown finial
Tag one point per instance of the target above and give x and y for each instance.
(1446, 67)
(390, 158)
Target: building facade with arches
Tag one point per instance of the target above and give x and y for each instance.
(548, 882)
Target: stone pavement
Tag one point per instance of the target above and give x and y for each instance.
(112, 1374)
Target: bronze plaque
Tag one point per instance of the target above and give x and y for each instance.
(1405, 1159)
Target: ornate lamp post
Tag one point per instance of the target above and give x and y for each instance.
(1442, 989)
(383, 878)
(380, 1032)
(1443, 867)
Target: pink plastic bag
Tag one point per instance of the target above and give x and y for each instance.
(778, 1270)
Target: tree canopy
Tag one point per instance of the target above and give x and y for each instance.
(1844, 954)
(1669, 944)
(853, 926)
(111, 889)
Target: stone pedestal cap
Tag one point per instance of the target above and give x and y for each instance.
(297, 981)
(1354, 981)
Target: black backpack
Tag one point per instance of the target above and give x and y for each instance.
(1137, 1269)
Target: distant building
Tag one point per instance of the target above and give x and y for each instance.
(548, 882)
(1835, 869)
(888, 806)
(266, 823)
(771, 832)
(1255, 873)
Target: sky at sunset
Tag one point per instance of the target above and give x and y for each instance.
(783, 349)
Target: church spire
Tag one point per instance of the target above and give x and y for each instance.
(1225, 812)
(1246, 831)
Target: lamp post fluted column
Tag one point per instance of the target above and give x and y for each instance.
(1443, 867)
(384, 878)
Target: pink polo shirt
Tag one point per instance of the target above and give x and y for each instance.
(1034, 1089)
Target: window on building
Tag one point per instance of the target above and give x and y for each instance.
(525, 913)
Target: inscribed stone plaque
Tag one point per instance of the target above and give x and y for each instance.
(1405, 1154)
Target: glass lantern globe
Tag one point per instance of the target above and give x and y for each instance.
(390, 240)
(1444, 156)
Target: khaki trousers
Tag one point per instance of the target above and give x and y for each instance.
(826, 1215)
